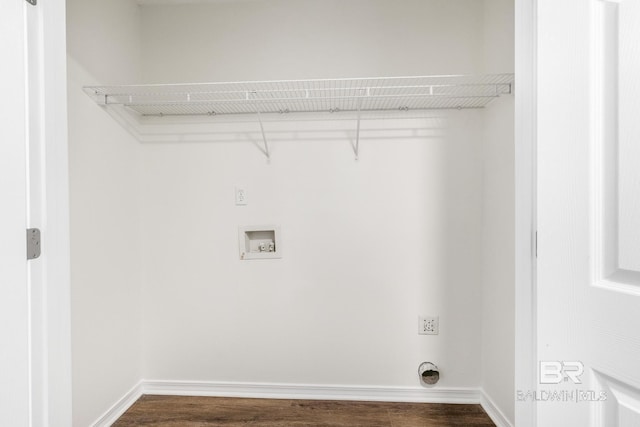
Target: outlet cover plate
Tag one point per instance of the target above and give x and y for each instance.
(428, 325)
(241, 196)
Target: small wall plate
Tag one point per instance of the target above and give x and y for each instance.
(259, 242)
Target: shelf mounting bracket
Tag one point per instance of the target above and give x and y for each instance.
(264, 135)
(356, 147)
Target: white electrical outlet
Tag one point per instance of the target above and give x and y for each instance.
(241, 196)
(428, 325)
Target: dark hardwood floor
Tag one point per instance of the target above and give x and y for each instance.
(173, 411)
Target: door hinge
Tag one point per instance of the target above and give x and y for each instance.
(33, 243)
(33, 2)
(535, 243)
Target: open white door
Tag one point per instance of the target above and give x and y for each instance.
(588, 283)
(14, 302)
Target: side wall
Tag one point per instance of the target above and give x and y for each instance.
(369, 245)
(104, 167)
(498, 226)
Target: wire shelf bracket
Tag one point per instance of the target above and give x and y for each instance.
(265, 151)
(264, 136)
(356, 147)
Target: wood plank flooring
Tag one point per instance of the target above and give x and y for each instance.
(174, 411)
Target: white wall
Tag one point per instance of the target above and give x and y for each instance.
(369, 245)
(498, 274)
(104, 162)
(285, 39)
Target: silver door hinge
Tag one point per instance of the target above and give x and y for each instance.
(536, 244)
(33, 2)
(33, 243)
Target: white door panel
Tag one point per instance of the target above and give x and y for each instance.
(616, 129)
(589, 209)
(615, 294)
(622, 407)
(628, 16)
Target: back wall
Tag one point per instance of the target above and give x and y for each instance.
(369, 245)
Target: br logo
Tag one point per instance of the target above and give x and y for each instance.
(555, 372)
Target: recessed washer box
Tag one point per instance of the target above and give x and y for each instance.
(260, 242)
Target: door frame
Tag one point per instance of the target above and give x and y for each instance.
(51, 343)
(525, 208)
(15, 353)
(38, 360)
(56, 211)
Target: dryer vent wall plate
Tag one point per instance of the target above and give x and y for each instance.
(260, 242)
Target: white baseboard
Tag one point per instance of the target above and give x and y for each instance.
(120, 407)
(464, 395)
(493, 411)
(313, 391)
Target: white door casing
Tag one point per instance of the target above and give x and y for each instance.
(588, 276)
(35, 374)
(14, 311)
(48, 202)
(525, 207)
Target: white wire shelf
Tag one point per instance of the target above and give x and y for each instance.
(307, 96)
(333, 95)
